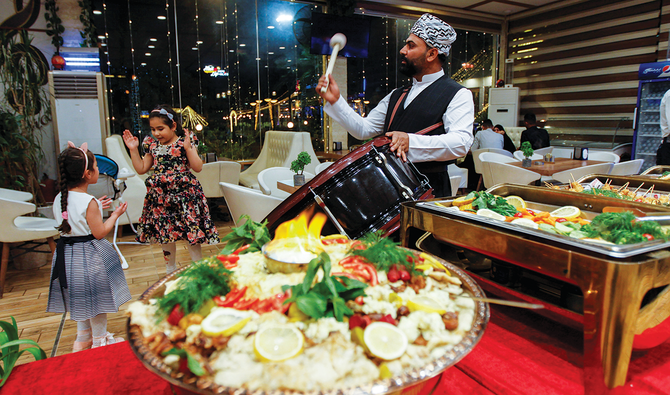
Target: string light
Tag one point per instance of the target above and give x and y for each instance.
(169, 45)
(198, 42)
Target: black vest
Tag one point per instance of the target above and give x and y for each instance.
(425, 111)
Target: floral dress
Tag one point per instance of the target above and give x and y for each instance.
(175, 207)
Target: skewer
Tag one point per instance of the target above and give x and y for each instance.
(573, 178)
(648, 190)
(522, 305)
(623, 187)
(638, 188)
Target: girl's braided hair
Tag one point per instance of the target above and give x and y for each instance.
(71, 164)
(168, 116)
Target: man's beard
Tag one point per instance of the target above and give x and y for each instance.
(408, 68)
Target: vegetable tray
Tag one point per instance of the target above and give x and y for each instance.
(546, 199)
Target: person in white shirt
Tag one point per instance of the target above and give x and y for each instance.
(487, 138)
(663, 153)
(433, 126)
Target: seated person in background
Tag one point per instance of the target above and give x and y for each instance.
(538, 138)
(487, 138)
(508, 144)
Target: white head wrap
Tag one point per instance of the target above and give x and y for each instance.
(435, 32)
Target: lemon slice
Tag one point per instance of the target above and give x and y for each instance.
(385, 341)
(516, 201)
(395, 299)
(567, 212)
(484, 212)
(425, 303)
(525, 222)
(225, 322)
(278, 343)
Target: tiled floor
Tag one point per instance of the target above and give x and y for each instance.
(26, 294)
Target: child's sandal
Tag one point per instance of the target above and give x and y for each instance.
(106, 340)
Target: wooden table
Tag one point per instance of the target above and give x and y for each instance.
(560, 164)
(331, 155)
(287, 185)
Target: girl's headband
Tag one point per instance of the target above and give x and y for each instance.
(83, 149)
(163, 111)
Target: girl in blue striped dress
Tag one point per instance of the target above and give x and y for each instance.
(86, 275)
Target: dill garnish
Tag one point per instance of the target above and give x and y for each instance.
(199, 283)
(383, 253)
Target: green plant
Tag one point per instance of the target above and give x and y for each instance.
(203, 148)
(23, 73)
(298, 165)
(86, 17)
(9, 348)
(527, 149)
(54, 24)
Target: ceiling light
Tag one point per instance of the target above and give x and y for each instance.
(282, 47)
(147, 54)
(243, 45)
(231, 50)
(219, 22)
(284, 18)
(271, 27)
(153, 39)
(143, 64)
(96, 12)
(161, 17)
(198, 42)
(194, 48)
(152, 46)
(271, 53)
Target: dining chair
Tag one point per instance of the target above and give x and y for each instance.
(627, 168)
(213, 173)
(460, 172)
(605, 156)
(322, 166)
(501, 173)
(16, 228)
(567, 176)
(560, 152)
(455, 182)
(519, 155)
(498, 158)
(244, 200)
(544, 151)
(11, 194)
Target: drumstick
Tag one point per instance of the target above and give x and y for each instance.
(337, 42)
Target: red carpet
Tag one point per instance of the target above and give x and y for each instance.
(519, 353)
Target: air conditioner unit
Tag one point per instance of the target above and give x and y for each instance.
(79, 109)
(509, 72)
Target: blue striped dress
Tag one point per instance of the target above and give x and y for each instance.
(95, 279)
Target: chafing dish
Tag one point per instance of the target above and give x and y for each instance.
(661, 186)
(613, 280)
(655, 170)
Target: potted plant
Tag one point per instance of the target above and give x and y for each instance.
(9, 348)
(298, 166)
(527, 150)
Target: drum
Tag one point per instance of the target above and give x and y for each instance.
(359, 193)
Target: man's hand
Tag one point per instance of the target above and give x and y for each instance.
(332, 94)
(399, 144)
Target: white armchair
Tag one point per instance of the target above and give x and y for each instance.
(11, 194)
(322, 166)
(630, 167)
(566, 176)
(243, 200)
(279, 150)
(503, 173)
(519, 155)
(215, 172)
(455, 182)
(15, 228)
(135, 189)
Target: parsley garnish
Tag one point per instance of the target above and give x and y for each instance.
(201, 282)
(328, 297)
(383, 253)
(253, 233)
(621, 228)
(494, 203)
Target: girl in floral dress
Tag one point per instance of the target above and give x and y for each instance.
(175, 207)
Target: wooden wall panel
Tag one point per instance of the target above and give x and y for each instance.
(577, 65)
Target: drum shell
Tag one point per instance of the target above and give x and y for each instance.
(359, 191)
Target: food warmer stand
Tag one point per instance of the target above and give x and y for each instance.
(600, 287)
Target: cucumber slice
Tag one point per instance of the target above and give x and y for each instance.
(578, 234)
(548, 228)
(563, 229)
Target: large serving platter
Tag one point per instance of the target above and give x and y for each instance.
(634, 181)
(655, 171)
(546, 199)
(408, 382)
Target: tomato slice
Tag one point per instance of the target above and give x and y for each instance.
(175, 315)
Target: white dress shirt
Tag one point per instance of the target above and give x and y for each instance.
(457, 119)
(665, 114)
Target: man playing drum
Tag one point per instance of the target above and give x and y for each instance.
(434, 123)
